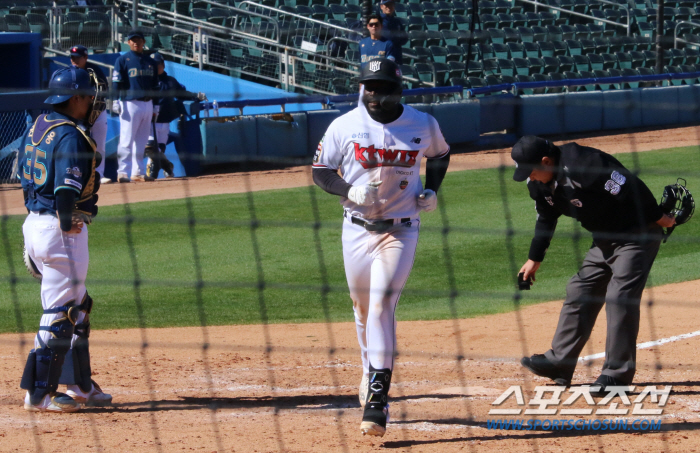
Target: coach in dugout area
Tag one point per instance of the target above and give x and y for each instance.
(375, 46)
(98, 132)
(626, 222)
(392, 28)
(135, 77)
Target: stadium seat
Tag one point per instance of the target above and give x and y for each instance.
(17, 23)
(554, 33)
(488, 21)
(539, 34)
(630, 72)
(527, 35)
(587, 46)
(677, 56)
(504, 20)
(595, 61)
(533, 19)
(501, 50)
(460, 7)
(524, 79)
(667, 56)
(415, 10)
(602, 45)
(486, 51)
(421, 55)
(438, 54)
(568, 32)
(650, 59)
(536, 65)
(522, 66)
(433, 38)
(583, 31)
(540, 78)
(566, 63)
(475, 69)
(503, 6)
(519, 20)
(692, 56)
(38, 23)
(547, 18)
(560, 48)
(609, 61)
(599, 74)
(415, 23)
(429, 9)
(516, 50)
(457, 69)
(587, 75)
(424, 71)
(442, 71)
(431, 23)
(354, 12)
(689, 69)
(461, 22)
(646, 72)
(532, 49)
(450, 37)
(582, 63)
(497, 36)
(546, 49)
(490, 67)
(417, 38)
(646, 29)
(511, 35)
(454, 53)
(487, 7)
(624, 60)
(471, 53)
(574, 47)
(506, 66)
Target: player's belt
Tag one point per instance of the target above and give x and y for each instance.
(377, 225)
(146, 99)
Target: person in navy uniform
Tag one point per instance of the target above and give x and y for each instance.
(173, 93)
(135, 77)
(57, 170)
(374, 46)
(626, 224)
(392, 28)
(98, 131)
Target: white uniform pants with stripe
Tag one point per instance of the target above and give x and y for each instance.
(98, 132)
(377, 266)
(135, 127)
(62, 259)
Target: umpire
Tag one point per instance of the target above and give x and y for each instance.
(626, 222)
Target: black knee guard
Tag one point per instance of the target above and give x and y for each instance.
(43, 368)
(76, 368)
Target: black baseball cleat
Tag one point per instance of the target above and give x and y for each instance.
(541, 366)
(600, 386)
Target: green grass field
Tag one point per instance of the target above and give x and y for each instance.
(289, 251)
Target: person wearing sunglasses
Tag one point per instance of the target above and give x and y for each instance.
(375, 46)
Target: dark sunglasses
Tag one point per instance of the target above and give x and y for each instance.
(374, 24)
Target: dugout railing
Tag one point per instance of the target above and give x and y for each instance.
(597, 20)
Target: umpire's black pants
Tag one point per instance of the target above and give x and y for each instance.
(613, 272)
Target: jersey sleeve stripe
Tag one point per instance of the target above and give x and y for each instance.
(66, 187)
(319, 166)
(442, 154)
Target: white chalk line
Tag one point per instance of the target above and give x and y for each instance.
(648, 344)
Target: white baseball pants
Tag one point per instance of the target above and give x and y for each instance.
(61, 258)
(377, 266)
(135, 127)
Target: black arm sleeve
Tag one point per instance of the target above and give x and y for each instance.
(330, 181)
(65, 201)
(435, 170)
(544, 230)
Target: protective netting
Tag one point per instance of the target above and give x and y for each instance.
(222, 317)
(12, 126)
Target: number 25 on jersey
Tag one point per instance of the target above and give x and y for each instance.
(35, 171)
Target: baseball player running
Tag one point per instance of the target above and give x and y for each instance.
(378, 147)
(135, 77)
(98, 131)
(626, 221)
(58, 177)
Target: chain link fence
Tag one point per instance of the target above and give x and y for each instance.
(12, 126)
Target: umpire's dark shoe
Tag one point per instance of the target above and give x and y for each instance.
(541, 366)
(600, 386)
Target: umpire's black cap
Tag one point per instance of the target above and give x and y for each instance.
(528, 154)
(381, 69)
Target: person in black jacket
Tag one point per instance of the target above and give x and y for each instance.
(626, 222)
(171, 108)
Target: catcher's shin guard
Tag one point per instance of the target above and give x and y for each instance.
(76, 368)
(153, 167)
(376, 411)
(43, 368)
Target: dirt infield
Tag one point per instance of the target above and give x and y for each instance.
(174, 395)
(169, 391)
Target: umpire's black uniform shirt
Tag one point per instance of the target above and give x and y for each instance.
(597, 190)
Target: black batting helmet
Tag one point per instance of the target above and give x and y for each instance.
(381, 69)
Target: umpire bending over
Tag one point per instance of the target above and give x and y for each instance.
(626, 221)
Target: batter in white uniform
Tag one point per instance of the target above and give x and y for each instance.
(378, 148)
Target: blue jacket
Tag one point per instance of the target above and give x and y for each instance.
(371, 49)
(135, 74)
(174, 93)
(393, 30)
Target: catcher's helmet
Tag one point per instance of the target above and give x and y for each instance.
(67, 82)
(678, 201)
(381, 69)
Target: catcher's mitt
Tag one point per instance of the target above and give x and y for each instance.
(31, 267)
(677, 201)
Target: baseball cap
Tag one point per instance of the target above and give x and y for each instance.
(135, 34)
(78, 51)
(381, 69)
(528, 153)
(66, 80)
(384, 2)
(158, 58)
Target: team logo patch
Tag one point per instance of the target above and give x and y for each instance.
(375, 65)
(75, 184)
(75, 171)
(403, 184)
(618, 178)
(576, 202)
(549, 200)
(50, 138)
(416, 140)
(612, 187)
